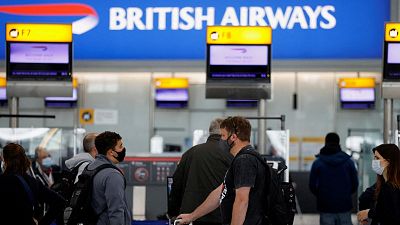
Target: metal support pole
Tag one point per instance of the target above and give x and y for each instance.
(152, 112)
(261, 145)
(14, 110)
(388, 121)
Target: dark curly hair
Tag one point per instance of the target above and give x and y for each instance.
(105, 141)
(391, 153)
(15, 159)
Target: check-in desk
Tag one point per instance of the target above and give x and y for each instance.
(146, 178)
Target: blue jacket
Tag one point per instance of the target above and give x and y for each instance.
(333, 179)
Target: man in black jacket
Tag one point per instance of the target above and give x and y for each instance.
(200, 171)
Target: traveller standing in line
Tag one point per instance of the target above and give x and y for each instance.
(21, 193)
(333, 179)
(43, 166)
(108, 197)
(241, 196)
(200, 170)
(83, 159)
(386, 164)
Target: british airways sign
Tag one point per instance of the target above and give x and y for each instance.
(165, 30)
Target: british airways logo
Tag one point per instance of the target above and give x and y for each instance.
(241, 50)
(43, 48)
(89, 21)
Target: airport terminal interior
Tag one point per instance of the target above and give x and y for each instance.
(158, 72)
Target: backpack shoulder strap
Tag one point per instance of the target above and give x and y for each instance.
(75, 169)
(255, 154)
(96, 170)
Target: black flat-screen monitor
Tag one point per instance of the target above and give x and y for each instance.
(39, 61)
(357, 98)
(234, 103)
(172, 98)
(239, 62)
(62, 102)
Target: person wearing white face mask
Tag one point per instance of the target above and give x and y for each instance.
(386, 165)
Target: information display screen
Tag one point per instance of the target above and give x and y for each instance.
(238, 55)
(3, 96)
(391, 68)
(357, 98)
(62, 102)
(172, 98)
(238, 62)
(39, 61)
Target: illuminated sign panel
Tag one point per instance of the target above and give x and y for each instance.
(28, 60)
(39, 32)
(238, 62)
(359, 82)
(391, 55)
(357, 93)
(239, 35)
(171, 83)
(165, 30)
(39, 52)
(247, 59)
(171, 92)
(238, 55)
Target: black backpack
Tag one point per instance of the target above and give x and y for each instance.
(79, 209)
(280, 202)
(65, 184)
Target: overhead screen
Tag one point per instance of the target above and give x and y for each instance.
(238, 62)
(172, 98)
(391, 62)
(357, 98)
(171, 92)
(3, 96)
(62, 102)
(39, 61)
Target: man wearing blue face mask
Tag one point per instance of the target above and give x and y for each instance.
(43, 166)
(108, 194)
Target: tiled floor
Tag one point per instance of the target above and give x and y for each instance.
(313, 219)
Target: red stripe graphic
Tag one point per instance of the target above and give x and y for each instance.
(88, 22)
(67, 9)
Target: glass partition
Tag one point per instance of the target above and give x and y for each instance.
(360, 146)
(61, 143)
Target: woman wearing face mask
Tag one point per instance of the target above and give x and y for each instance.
(386, 164)
(21, 193)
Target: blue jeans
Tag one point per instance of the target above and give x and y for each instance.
(335, 218)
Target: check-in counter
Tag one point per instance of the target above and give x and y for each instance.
(146, 178)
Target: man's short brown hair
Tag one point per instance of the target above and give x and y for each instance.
(237, 125)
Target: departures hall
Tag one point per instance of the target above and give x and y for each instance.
(157, 112)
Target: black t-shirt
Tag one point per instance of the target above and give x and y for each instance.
(245, 171)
